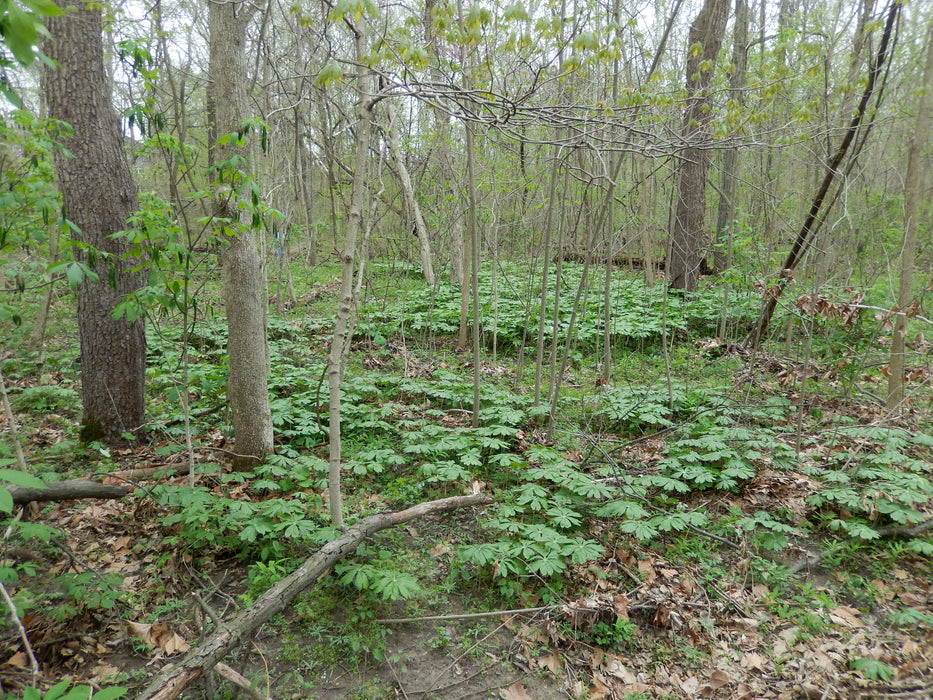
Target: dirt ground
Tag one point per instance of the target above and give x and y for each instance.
(415, 666)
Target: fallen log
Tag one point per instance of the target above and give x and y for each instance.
(72, 490)
(172, 680)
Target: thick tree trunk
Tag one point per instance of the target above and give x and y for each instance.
(689, 238)
(247, 383)
(722, 254)
(99, 195)
(911, 212)
(170, 681)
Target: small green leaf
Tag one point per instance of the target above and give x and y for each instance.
(19, 478)
(639, 528)
(329, 74)
(873, 670)
(43, 7)
(57, 690)
(19, 33)
(75, 275)
(6, 501)
(921, 546)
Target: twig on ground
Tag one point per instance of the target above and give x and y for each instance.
(237, 679)
(209, 611)
(466, 616)
(11, 421)
(906, 531)
(266, 666)
(33, 663)
(453, 663)
(398, 681)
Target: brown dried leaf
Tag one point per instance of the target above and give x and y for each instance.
(718, 678)
(754, 661)
(620, 606)
(911, 599)
(600, 690)
(551, 662)
(18, 659)
(615, 668)
(104, 671)
(690, 685)
(175, 644)
(440, 549)
(847, 617)
(516, 691)
(139, 629)
(647, 568)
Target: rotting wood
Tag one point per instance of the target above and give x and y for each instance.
(72, 490)
(172, 680)
(627, 261)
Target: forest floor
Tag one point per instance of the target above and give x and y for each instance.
(693, 612)
(688, 640)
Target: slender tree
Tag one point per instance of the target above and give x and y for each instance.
(99, 195)
(803, 239)
(912, 185)
(345, 300)
(408, 192)
(247, 384)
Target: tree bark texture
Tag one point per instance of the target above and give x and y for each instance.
(74, 489)
(912, 197)
(98, 195)
(247, 383)
(348, 257)
(725, 221)
(689, 238)
(170, 681)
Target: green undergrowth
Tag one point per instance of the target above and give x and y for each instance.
(647, 462)
(409, 439)
(510, 316)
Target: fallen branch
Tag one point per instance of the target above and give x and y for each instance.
(170, 681)
(467, 616)
(906, 530)
(72, 490)
(236, 678)
(165, 471)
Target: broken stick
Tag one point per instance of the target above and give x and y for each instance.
(72, 490)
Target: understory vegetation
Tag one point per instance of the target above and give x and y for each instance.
(743, 522)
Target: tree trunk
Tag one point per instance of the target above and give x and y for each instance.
(99, 195)
(348, 257)
(408, 192)
(689, 237)
(247, 383)
(472, 217)
(37, 336)
(911, 213)
(722, 254)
